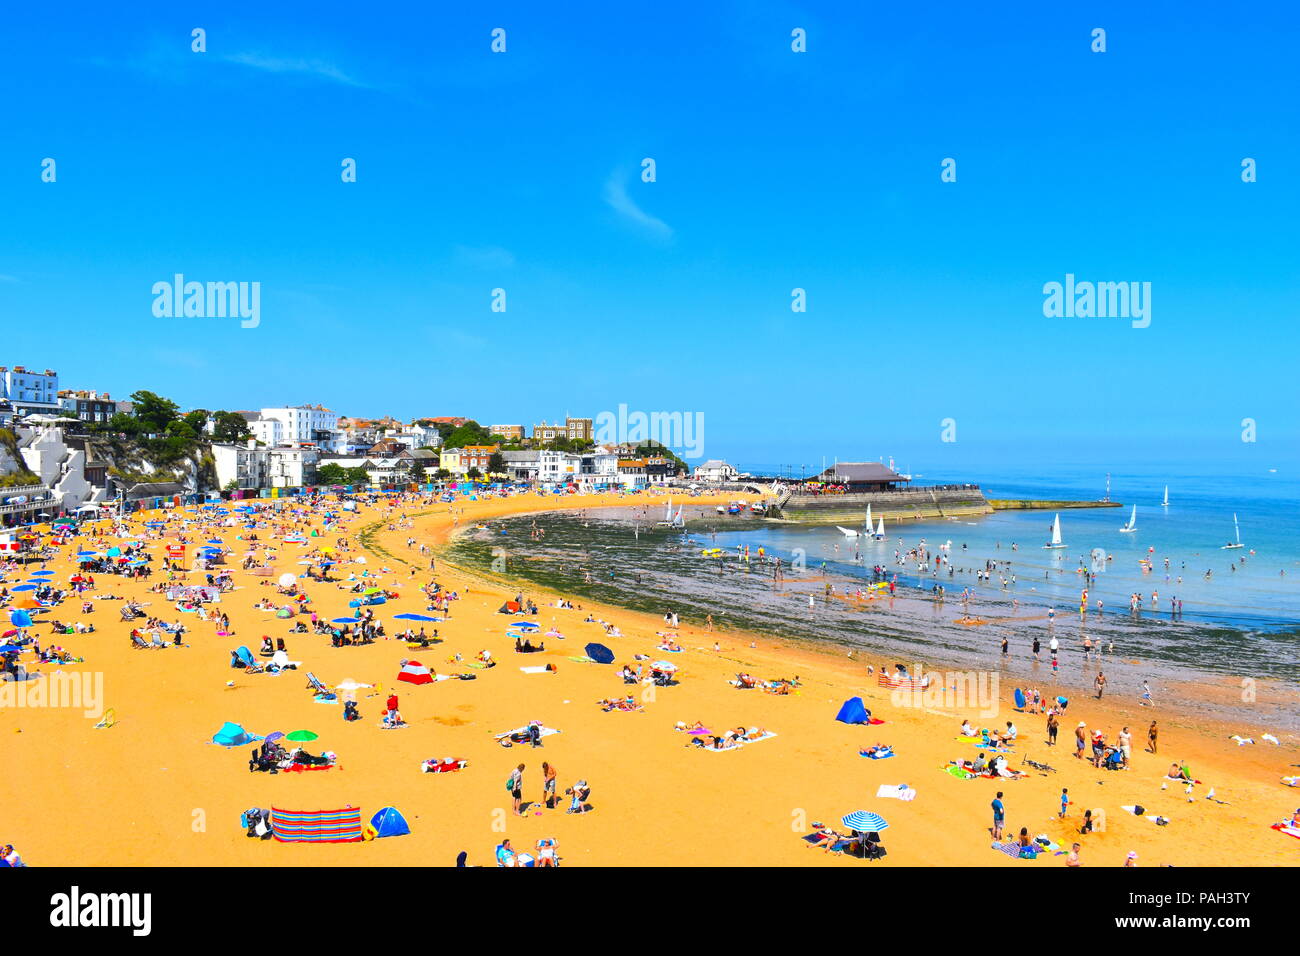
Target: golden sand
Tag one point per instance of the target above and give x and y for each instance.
(153, 791)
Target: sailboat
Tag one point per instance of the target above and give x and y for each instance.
(1165, 503)
(677, 521)
(668, 516)
(1055, 543)
(1237, 528)
(880, 529)
(1132, 522)
(848, 532)
(866, 524)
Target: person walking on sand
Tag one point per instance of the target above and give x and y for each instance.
(999, 816)
(1080, 740)
(1100, 683)
(517, 788)
(1052, 727)
(1146, 695)
(1152, 732)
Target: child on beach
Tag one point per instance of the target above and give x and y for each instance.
(1065, 801)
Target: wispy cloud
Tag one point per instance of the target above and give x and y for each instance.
(617, 198)
(5, 278)
(320, 69)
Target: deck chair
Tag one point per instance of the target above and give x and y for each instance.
(138, 642)
(157, 641)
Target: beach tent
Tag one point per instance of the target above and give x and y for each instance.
(245, 655)
(389, 822)
(233, 735)
(853, 711)
(510, 607)
(20, 618)
(600, 653)
(415, 673)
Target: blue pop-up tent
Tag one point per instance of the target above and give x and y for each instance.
(853, 711)
(600, 653)
(389, 822)
(233, 735)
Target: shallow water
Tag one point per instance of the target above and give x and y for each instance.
(1228, 632)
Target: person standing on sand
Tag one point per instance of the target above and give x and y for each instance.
(1152, 731)
(1080, 740)
(999, 816)
(548, 785)
(1052, 727)
(1065, 801)
(1100, 683)
(517, 788)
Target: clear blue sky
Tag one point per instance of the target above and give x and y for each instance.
(775, 170)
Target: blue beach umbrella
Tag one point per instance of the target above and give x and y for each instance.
(344, 620)
(20, 618)
(9, 648)
(25, 587)
(524, 625)
(864, 822)
(42, 574)
(415, 617)
(87, 554)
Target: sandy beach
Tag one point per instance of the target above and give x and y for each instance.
(152, 790)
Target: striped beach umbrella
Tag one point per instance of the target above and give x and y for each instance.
(864, 822)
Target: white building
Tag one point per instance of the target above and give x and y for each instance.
(246, 466)
(293, 467)
(61, 468)
(558, 467)
(30, 392)
(301, 423)
(716, 470)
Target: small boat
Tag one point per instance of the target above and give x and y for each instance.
(1237, 529)
(1165, 503)
(1055, 543)
(880, 530)
(758, 508)
(1132, 522)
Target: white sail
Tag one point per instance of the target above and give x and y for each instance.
(1230, 546)
(1056, 534)
(848, 532)
(1165, 503)
(1132, 521)
(668, 512)
(867, 524)
(880, 528)
(678, 522)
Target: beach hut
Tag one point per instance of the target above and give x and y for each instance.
(389, 822)
(600, 653)
(413, 672)
(853, 711)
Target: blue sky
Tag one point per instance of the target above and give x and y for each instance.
(776, 170)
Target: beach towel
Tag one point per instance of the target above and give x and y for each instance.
(535, 670)
(1289, 831)
(958, 772)
(971, 740)
(896, 792)
(545, 732)
(881, 754)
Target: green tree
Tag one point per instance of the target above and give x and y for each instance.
(496, 464)
(471, 433)
(473, 474)
(230, 427)
(153, 412)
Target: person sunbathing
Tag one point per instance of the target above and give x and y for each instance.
(877, 750)
(827, 839)
(967, 730)
(745, 681)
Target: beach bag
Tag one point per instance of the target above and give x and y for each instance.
(510, 785)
